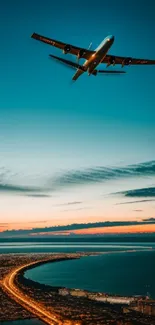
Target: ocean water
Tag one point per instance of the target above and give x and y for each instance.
(68, 247)
(124, 273)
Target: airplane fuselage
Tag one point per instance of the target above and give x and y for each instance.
(96, 58)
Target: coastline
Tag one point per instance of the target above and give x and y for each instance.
(35, 290)
(40, 259)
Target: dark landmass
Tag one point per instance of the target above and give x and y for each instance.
(10, 310)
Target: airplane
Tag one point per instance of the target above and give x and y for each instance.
(92, 57)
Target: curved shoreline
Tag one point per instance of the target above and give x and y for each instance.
(21, 275)
(36, 297)
(78, 257)
(56, 287)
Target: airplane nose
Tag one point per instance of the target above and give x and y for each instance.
(112, 38)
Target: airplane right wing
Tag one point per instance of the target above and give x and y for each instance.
(67, 48)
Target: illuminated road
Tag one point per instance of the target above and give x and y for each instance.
(25, 301)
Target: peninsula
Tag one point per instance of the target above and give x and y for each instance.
(22, 298)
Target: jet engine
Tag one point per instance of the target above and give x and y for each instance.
(112, 61)
(127, 61)
(81, 53)
(67, 49)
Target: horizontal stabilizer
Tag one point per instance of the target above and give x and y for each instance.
(67, 62)
(111, 71)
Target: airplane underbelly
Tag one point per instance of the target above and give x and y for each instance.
(97, 60)
(95, 63)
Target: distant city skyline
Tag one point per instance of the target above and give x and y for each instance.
(77, 153)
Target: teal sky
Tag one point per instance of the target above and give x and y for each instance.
(50, 127)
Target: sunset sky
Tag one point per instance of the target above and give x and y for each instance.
(83, 152)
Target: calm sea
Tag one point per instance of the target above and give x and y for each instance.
(49, 247)
(119, 271)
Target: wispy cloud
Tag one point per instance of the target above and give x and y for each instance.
(100, 174)
(134, 202)
(8, 186)
(38, 195)
(4, 224)
(142, 192)
(147, 192)
(68, 203)
(17, 188)
(6, 174)
(77, 209)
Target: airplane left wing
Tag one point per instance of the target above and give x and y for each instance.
(112, 59)
(67, 48)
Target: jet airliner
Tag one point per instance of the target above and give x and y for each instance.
(92, 58)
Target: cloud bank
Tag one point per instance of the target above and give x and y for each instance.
(72, 227)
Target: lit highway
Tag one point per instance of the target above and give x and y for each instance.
(25, 301)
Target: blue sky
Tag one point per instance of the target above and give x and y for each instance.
(49, 126)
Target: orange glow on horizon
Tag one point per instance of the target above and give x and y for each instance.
(150, 228)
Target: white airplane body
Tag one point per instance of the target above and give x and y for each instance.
(93, 57)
